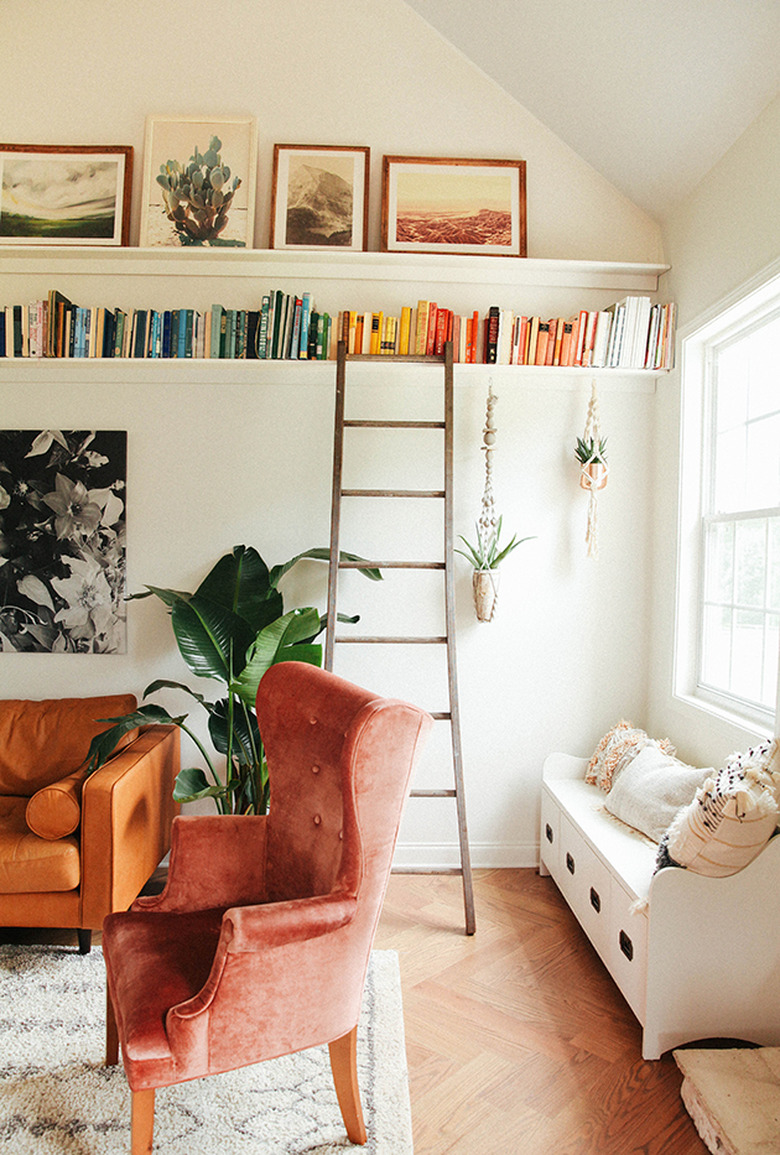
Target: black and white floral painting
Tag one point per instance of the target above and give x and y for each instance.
(62, 541)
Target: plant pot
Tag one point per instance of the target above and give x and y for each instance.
(594, 475)
(484, 583)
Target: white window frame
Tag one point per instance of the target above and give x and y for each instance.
(748, 306)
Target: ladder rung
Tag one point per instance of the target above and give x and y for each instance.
(392, 565)
(441, 715)
(418, 358)
(394, 425)
(427, 870)
(390, 641)
(432, 794)
(393, 493)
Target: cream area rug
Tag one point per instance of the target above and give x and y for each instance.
(56, 1095)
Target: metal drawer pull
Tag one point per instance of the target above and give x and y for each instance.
(570, 864)
(548, 832)
(595, 900)
(626, 945)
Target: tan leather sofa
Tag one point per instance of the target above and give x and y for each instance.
(74, 848)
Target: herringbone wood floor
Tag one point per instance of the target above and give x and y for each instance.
(518, 1041)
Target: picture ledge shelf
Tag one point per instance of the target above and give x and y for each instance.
(627, 276)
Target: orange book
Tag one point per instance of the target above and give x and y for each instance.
(542, 341)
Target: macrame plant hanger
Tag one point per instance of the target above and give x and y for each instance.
(593, 471)
(487, 523)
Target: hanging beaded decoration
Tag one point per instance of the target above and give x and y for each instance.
(487, 523)
(593, 471)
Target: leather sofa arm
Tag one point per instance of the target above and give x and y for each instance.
(127, 809)
(216, 861)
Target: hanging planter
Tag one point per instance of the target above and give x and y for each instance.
(594, 471)
(484, 583)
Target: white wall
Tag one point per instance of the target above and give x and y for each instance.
(724, 234)
(213, 464)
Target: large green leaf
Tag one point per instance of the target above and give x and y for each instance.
(103, 745)
(272, 645)
(322, 553)
(192, 784)
(246, 734)
(167, 596)
(212, 640)
(239, 582)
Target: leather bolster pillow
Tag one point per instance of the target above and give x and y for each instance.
(55, 811)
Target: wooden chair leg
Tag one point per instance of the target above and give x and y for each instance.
(343, 1064)
(112, 1034)
(141, 1122)
(85, 941)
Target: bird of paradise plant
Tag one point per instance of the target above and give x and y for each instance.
(231, 629)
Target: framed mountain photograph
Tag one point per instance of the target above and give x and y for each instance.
(320, 197)
(441, 205)
(51, 194)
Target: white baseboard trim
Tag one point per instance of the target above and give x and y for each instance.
(484, 855)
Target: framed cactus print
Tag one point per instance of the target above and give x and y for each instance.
(200, 176)
(53, 194)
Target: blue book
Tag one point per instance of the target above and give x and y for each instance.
(166, 338)
(181, 348)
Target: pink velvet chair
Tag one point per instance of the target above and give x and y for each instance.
(259, 944)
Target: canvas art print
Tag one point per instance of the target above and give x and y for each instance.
(64, 196)
(199, 182)
(62, 541)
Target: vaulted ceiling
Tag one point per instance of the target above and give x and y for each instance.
(650, 92)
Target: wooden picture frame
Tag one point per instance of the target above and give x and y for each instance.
(52, 194)
(177, 212)
(319, 197)
(453, 205)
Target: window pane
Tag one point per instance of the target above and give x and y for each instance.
(747, 657)
(730, 471)
(719, 581)
(762, 463)
(769, 697)
(774, 565)
(731, 387)
(716, 647)
(750, 558)
(764, 388)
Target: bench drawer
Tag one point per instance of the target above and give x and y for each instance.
(627, 950)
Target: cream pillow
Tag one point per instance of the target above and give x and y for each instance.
(651, 789)
(732, 817)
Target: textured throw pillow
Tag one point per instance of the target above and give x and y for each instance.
(615, 750)
(731, 819)
(652, 788)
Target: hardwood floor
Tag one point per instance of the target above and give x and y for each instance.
(518, 1041)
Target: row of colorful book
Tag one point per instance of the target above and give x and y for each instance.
(631, 334)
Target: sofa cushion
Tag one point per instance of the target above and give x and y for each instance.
(651, 789)
(44, 741)
(616, 749)
(55, 810)
(32, 865)
(731, 818)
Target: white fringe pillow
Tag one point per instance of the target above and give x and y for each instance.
(732, 817)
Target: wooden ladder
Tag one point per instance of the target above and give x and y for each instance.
(452, 714)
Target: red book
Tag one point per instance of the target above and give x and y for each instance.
(542, 341)
(552, 336)
(430, 345)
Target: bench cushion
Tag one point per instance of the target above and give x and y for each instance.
(32, 865)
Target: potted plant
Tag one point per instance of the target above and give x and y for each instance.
(486, 556)
(197, 195)
(231, 629)
(593, 462)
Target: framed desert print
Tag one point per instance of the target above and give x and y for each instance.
(53, 194)
(319, 197)
(442, 205)
(200, 176)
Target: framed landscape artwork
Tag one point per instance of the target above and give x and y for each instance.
(200, 176)
(58, 195)
(63, 530)
(319, 197)
(441, 205)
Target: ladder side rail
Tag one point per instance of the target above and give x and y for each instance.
(452, 664)
(335, 503)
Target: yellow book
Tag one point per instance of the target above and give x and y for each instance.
(352, 332)
(421, 335)
(406, 324)
(377, 320)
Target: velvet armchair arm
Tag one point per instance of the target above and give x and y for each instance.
(216, 861)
